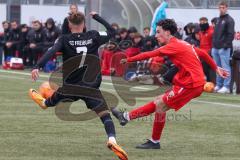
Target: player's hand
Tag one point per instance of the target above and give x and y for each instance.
(35, 74)
(32, 45)
(222, 72)
(123, 61)
(93, 13)
(8, 44)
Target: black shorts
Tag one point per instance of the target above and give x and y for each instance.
(96, 104)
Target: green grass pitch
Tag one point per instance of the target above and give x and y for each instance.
(205, 129)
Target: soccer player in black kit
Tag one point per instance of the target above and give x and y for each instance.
(74, 70)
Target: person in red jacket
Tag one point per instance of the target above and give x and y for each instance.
(188, 83)
(205, 38)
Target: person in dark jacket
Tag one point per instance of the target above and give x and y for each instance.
(13, 44)
(36, 38)
(24, 42)
(191, 30)
(6, 38)
(1, 47)
(52, 32)
(222, 45)
(65, 28)
(149, 43)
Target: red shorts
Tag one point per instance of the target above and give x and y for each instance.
(177, 97)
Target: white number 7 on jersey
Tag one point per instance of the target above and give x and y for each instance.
(84, 53)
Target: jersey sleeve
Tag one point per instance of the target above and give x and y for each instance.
(205, 56)
(110, 32)
(50, 52)
(166, 50)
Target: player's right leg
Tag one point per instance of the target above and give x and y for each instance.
(157, 106)
(145, 110)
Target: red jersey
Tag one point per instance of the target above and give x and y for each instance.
(187, 60)
(205, 39)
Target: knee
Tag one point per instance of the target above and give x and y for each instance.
(159, 103)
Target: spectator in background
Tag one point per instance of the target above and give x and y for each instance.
(213, 21)
(149, 43)
(205, 38)
(192, 30)
(146, 32)
(6, 38)
(117, 35)
(179, 33)
(36, 39)
(115, 26)
(51, 34)
(13, 44)
(24, 42)
(106, 57)
(138, 41)
(123, 34)
(1, 47)
(136, 47)
(131, 32)
(222, 45)
(65, 28)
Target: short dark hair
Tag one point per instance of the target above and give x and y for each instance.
(73, 4)
(123, 30)
(76, 18)
(214, 20)
(203, 19)
(148, 28)
(223, 3)
(168, 25)
(5, 22)
(14, 21)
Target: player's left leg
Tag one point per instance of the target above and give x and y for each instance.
(158, 125)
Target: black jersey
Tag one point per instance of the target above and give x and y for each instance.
(80, 52)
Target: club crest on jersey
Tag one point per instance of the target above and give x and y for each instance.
(81, 42)
(170, 95)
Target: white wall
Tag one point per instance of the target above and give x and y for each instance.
(3, 16)
(184, 16)
(42, 13)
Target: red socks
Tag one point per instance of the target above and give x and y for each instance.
(159, 120)
(143, 111)
(158, 125)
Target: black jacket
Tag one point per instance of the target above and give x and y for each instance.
(7, 35)
(36, 36)
(224, 32)
(65, 27)
(51, 34)
(15, 36)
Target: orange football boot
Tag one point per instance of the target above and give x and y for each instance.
(37, 98)
(122, 155)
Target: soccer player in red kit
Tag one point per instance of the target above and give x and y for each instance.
(187, 83)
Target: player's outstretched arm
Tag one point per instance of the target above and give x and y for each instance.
(204, 56)
(110, 30)
(46, 57)
(144, 55)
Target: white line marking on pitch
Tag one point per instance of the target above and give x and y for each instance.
(218, 104)
(47, 76)
(199, 101)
